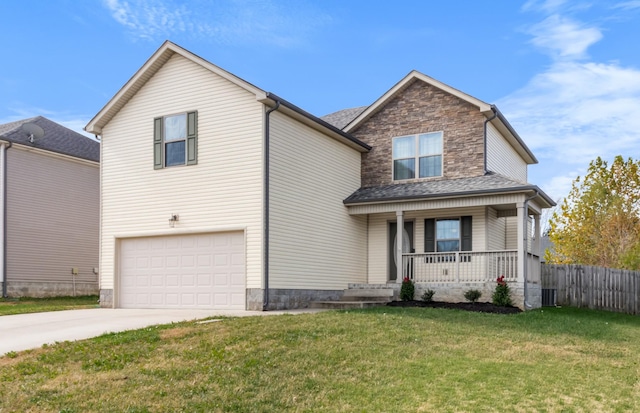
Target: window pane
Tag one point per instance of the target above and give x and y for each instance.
(404, 147)
(448, 229)
(404, 169)
(431, 166)
(174, 153)
(175, 127)
(448, 246)
(431, 144)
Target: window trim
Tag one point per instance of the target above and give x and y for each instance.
(190, 140)
(465, 240)
(416, 158)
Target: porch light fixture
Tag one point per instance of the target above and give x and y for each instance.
(174, 218)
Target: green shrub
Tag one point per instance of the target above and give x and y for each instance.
(472, 295)
(502, 293)
(427, 296)
(407, 290)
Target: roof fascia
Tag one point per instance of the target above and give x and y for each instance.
(547, 202)
(150, 67)
(503, 125)
(308, 119)
(402, 84)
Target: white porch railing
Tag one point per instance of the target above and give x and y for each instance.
(463, 266)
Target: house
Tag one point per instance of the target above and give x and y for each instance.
(49, 209)
(218, 194)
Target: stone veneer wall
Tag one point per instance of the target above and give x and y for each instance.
(424, 108)
(454, 292)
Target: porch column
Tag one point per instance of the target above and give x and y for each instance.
(522, 241)
(399, 233)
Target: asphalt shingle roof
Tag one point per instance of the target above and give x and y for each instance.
(341, 118)
(478, 185)
(56, 138)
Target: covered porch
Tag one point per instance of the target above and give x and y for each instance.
(457, 242)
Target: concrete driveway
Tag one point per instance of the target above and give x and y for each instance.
(28, 331)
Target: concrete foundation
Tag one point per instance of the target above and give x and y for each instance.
(18, 289)
(288, 299)
(106, 298)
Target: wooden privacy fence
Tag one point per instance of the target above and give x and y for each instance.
(591, 287)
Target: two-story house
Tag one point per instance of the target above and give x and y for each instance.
(218, 194)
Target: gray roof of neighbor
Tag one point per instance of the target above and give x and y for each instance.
(56, 138)
(490, 183)
(343, 117)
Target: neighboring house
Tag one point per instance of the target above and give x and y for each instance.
(218, 194)
(49, 210)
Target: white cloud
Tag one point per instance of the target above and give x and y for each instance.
(223, 21)
(564, 38)
(575, 110)
(628, 5)
(544, 5)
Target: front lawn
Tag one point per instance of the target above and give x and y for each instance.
(9, 306)
(377, 360)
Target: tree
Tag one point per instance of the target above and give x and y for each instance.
(599, 221)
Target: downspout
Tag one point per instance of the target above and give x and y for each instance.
(265, 300)
(495, 114)
(3, 159)
(526, 249)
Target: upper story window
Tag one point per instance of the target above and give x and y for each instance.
(417, 156)
(175, 140)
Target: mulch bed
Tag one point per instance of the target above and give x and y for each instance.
(477, 307)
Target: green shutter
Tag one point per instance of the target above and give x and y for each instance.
(157, 144)
(192, 138)
(465, 239)
(430, 235)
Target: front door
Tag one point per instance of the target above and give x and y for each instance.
(407, 245)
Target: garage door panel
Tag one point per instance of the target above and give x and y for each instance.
(205, 270)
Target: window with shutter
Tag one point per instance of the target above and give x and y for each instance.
(175, 140)
(448, 235)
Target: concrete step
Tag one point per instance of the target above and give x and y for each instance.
(345, 305)
(368, 294)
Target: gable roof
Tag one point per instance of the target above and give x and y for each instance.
(169, 49)
(57, 138)
(446, 188)
(490, 111)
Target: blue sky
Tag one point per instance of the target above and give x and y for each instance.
(565, 73)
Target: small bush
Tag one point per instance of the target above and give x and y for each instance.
(407, 290)
(427, 296)
(472, 295)
(502, 293)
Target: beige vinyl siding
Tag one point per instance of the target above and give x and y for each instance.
(379, 238)
(222, 192)
(314, 242)
(496, 230)
(502, 158)
(53, 206)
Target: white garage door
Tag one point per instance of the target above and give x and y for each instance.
(183, 271)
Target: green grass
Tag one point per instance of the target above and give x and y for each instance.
(375, 360)
(9, 306)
